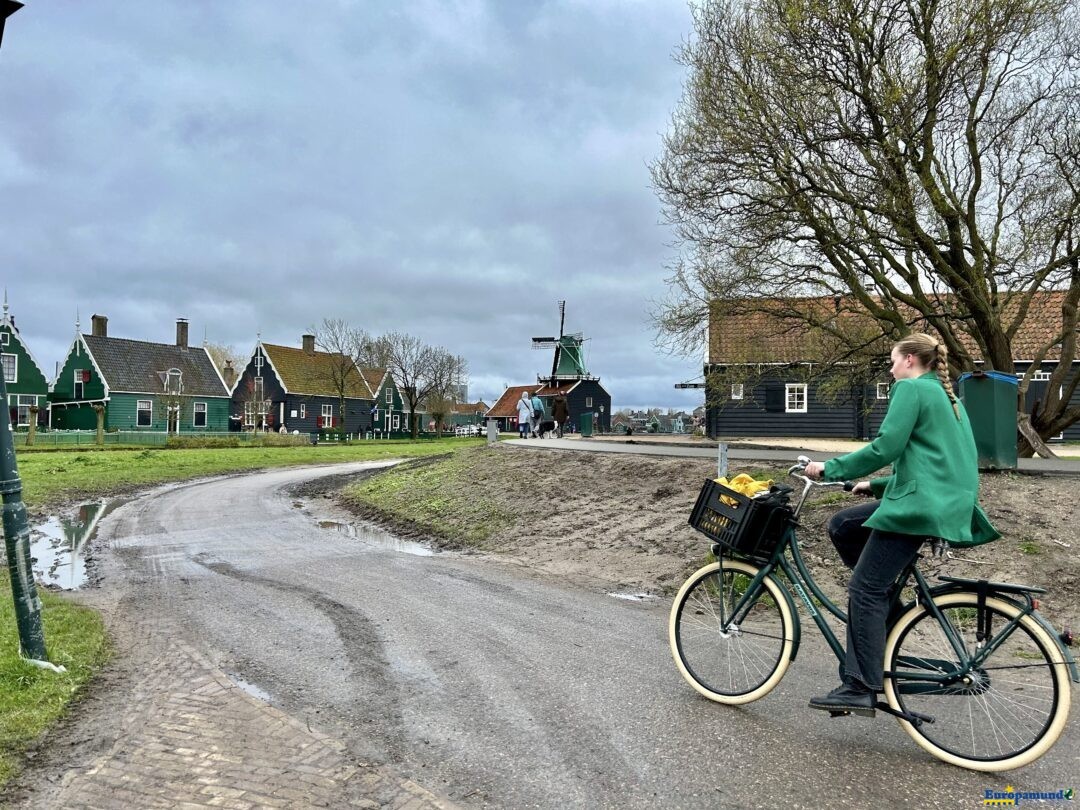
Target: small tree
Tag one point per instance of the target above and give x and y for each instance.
(344, 347)
(422, 372)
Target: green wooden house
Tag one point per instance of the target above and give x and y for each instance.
(142, 385)
(27, 386)
(390, 417)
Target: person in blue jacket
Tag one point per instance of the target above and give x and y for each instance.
(537, 414)
(932, 493)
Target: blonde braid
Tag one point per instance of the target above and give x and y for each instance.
(941, 363)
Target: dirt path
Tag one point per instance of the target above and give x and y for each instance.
(620, 522)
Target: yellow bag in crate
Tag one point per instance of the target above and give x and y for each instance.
(744, 485)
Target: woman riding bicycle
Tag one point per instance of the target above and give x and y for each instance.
(933, 492)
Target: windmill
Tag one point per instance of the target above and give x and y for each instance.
(569, 360)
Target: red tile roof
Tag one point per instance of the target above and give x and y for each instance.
(776, 337)
(507, 403)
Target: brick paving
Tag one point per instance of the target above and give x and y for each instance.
(166, 729)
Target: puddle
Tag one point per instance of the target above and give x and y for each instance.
(250, 688)
(59, 546)
(374, 536)
(635, 597)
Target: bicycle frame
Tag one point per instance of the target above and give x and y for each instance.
(800, 579)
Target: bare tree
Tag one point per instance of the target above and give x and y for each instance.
(420, 371)
(915, 160)
(345, 348)
(220, 353)
(448, 374)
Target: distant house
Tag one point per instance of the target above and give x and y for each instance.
(468, 413)
(789, 395)
(504, 411)
(297, 388)
(389, 417)
(141, 385)
(27, 387)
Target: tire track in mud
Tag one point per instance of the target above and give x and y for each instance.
(377, 708)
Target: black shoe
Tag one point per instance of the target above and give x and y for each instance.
(847, 698)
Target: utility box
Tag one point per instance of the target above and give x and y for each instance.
(493, 431)
(586, 425)
(989, 398)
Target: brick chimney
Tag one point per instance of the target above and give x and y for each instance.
(99, 326)
(309, 343)
(229, 374)
(181, 332)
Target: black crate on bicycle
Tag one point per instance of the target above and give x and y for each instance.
(749, 527)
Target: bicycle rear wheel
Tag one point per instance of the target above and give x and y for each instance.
(731, 658)
(1006, 712)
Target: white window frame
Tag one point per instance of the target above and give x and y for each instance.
(397, 421)
(303, 411)
(327, 412)
(21, 404)
(258, 364)
(4, 338)
(390, 396)
(736, 390)
(139, 410)
(795, 389)
(883, 390)
(249, 414)
(588, 402)
(1041, 376)
(14, 378)
(195, 414)
(179, 377)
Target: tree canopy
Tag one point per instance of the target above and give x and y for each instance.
(916, 159)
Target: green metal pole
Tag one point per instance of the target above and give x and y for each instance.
(17, 542)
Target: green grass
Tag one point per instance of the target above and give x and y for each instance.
(60, 477)
(1029, 547)
(426, 497)
(31, 698)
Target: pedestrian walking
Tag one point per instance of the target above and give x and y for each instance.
(525, 415)
(538, 414)
(560, 411)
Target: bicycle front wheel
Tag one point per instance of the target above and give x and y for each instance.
(728, 653)
(1003, 714)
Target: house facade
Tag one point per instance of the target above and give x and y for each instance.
(763, 379)
(389, 419)
(298, 388)
(27, 386)
(141, 385)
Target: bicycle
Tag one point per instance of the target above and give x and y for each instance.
(973, 672)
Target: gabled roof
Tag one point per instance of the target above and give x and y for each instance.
(137, 366)
(374, 378)
(765, 337)
(471, 407)
(7, 321)
(313, 374)
(507, 403)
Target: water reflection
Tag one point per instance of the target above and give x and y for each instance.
(58, 547)
(374, 536)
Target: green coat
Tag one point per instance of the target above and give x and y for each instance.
(934, 488)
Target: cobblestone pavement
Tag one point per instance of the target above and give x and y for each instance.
(185, 735)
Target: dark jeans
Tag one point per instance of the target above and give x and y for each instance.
(877, 558)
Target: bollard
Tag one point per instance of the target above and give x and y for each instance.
(17, 542)
(721, 460)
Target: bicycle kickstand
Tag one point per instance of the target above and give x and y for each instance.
(914, 718)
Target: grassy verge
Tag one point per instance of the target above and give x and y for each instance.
(31, 698)
(431, 498)
(63, 477)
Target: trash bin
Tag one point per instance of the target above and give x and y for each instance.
(989, 398)
(586, 425)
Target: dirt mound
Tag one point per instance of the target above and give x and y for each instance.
(619, 522)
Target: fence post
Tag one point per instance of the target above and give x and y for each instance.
(721, 460)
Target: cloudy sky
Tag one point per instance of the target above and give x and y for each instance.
(450, 169)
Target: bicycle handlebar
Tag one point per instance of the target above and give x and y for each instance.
(808, 483)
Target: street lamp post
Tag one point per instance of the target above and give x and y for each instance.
(16, 526)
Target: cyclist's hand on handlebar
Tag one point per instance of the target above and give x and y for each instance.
(862, 488)
(814, 470)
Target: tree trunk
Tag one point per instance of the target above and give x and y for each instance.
(414, 426)
(100, 411)
(1028, 442)
(32, 427)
